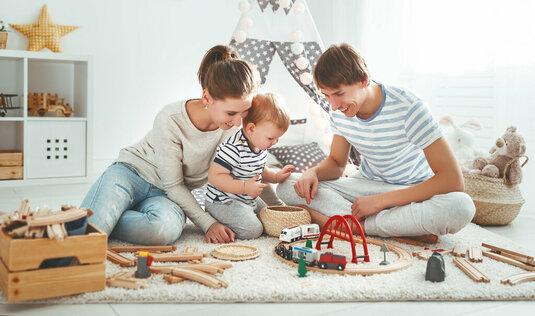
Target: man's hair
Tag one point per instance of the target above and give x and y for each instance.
(268, 107)
(340, 64)
(224, 74)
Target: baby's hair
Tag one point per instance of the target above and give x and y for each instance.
(268, 107)
(225, 75)
(340, 64)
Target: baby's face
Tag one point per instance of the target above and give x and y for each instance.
(264, 135)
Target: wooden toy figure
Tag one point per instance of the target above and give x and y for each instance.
(144, 260)
(435, 271)
(302, 269)
(384, 250)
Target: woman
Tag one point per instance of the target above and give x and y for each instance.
(145, 195)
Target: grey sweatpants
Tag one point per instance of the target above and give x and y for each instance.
(241, 218)
(440, 215)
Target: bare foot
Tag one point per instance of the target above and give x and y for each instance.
(428, 239)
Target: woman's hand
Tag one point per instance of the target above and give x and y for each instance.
(218, 234)
(282, 175)
(366, 206)
(307, 186)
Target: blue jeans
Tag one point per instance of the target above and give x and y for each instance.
(128, 208)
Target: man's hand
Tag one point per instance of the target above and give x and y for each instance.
(282, 175)
(253, 188)
(219, 233)
(307, 186)
(366, 206)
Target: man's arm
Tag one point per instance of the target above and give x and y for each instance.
(448, 178)
(333, 166)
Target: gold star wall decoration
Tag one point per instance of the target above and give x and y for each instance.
(44, 33)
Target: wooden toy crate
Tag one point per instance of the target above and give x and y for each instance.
(22, 280)
(10, 164)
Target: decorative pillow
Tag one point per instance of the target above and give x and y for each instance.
(303, 156)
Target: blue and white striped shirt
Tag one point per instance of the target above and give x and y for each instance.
(242, 161)
(391, 142)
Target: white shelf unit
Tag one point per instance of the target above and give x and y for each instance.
(56, 149)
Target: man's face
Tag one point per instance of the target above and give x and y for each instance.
(347, 99)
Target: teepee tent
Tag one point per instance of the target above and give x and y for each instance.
(280, 38)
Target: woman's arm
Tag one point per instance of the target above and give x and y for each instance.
(448, 178)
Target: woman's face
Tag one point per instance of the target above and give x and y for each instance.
(229, 111)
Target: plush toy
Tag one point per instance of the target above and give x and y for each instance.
(462, 140)
(507, 150)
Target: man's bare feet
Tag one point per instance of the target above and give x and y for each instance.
(428, 239)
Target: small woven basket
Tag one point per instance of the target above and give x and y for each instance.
(497, 201)
(276, 218)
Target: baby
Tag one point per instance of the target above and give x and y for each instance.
(234, 178)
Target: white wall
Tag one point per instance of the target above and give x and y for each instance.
(493, 40)
(145, 54)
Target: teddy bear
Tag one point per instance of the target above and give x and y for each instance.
(507, 148)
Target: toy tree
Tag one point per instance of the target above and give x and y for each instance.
(309, 243)
(302, 269)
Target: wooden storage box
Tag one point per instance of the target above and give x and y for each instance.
(10, 164)
(22, 280)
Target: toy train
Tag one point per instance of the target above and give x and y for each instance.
(312, 257)
(296, 233)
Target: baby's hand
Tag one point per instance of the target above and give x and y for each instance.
(282, 175)
(253, 188)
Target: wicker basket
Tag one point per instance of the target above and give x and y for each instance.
(276, 218)
(497, 201)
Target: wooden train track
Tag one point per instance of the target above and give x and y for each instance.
(519, 278)
(470, 270)
(404, 261)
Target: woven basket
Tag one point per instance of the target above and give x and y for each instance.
(497, 201)
(276, 218)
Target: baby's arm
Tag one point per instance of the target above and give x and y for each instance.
(271, 176)
(220, 177)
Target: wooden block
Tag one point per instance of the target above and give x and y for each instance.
(127, 283)
(201, 277)
(423, 254)
(177, 256)
(142, 248)
(459, 251)
(11, 173)
(10, 158)
(470, 270)
(510, 261)
(511, 254)
(475, 254)
(518, 278)
(119, 259)
(173, 279)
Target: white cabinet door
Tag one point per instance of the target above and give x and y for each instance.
(55, 149)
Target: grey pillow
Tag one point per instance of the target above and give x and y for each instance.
(303, 156)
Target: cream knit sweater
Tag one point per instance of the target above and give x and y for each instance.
(175, 156)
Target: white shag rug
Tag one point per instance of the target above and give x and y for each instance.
(267, 279)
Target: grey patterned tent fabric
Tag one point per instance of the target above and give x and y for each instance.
(260, 53)
(274, 5)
